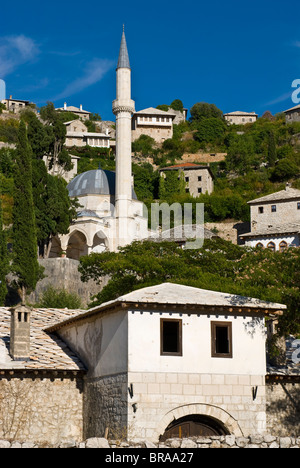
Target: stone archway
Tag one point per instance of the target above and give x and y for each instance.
(77, 245)
(99, 243)
(214, 416)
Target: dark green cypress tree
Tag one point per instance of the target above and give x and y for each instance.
(25, 262)
(3, 260)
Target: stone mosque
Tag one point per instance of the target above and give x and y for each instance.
(110, 216)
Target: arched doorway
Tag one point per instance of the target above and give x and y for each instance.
(99, 243)
(77, 245)
(194, 425)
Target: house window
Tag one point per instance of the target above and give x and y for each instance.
(273, 208)
(260, 209)
(199, 178)
(199, 190)
(187, 179)
(221, 339)
(298, 206)
(283, 246)
(170, 337)
(271, 246)
(259, 246)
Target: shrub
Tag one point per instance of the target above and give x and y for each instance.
(59, 299)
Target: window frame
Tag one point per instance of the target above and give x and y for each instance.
(214, 353)
(179, 338)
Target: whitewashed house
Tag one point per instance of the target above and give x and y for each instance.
(172, 360)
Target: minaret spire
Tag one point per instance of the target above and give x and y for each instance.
(123, 61)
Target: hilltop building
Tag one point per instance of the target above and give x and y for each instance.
(15, 105)
(199, 179)
(275, 221)
(153, 122)
(83, 114)
(240, 118)
(110, 215)
(293, 114)
(78, 135)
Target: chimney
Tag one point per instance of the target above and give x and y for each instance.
(65, 106)
(20, 333)
(10, 97)
(81, 107)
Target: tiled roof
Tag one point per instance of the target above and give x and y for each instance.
(48, 351)
(277, 230)
(154, 111)
(287, 194)
(169, 294)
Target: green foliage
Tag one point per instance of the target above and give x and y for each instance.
(144, 145)
(25, 264)
(95, 117)
(171, 185)
(9, 130)
(203, 110)
(210, 130)
(145, 181)
(284, 170)
(218, 266)
(3, 259)
(59, 299)
(177, 105)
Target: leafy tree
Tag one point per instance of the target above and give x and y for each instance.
(203, 110)
(177, 105)
(210, 130)
(95, 117)
(57, 130)
(3, 260)
(284, 170)
(144, 144)
(25, 264)
(218, 265)
(272, 156)
(171, 185)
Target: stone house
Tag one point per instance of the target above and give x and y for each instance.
(78, 135)
(200, 368)
(275, 221)
(15, 105)
(199, 179)
(83, 114)
(153, 122)
(240, 118)
(293, 114)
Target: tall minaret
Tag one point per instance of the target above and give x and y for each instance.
(123, 108)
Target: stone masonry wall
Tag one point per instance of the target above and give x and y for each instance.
(41, 410)
(105, 406)
(155, 395)
(227, 442)
(283, 409)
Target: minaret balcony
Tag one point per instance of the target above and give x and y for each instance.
(123, 106)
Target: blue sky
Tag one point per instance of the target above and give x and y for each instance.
(237, 55)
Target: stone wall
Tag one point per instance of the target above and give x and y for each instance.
(63, 273)
(283, 409)
(105, 406)
(227, 442)
(40, 410)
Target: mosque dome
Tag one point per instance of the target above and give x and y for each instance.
(95, 182)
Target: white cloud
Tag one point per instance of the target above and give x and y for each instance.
(16, 51)
(93, 73)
